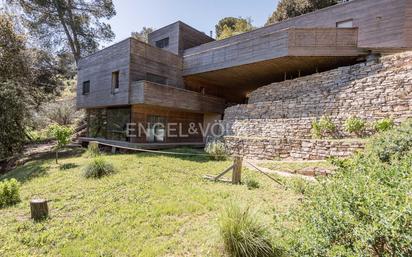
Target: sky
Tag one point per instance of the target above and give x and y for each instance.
(203, 15)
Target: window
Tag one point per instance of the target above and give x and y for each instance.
(115, 82)
(156, 129)
(86, 87)
(345, 24)
(163, 43)
(156, 78)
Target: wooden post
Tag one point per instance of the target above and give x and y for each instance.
(113, 150)
(39, 209)
(237, 170)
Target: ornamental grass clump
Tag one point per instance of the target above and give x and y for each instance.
(9, 192)
(242, 233)
(98, 168)
(216, 150)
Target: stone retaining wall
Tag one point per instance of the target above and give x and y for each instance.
(372, 90)
(293, 149)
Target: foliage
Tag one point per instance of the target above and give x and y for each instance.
(355, 125)
(231, 26)
(364, 209)
(323, 127)
(393, 144)
(291, 8)
(252, 184)
(12, 119)
(9, 192)
(62, 134)
(25, 80)
(216, 150)
(61, 25)
(383, 125)
(62, 112)
(299, 185)
(143, 34)
(242, 234)
(98, 168)
(93, 149)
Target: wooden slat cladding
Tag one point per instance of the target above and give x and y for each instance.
(134, 60)
(145, 92)
(181, 37)
(149, 59)
(140, 114)
(381, 23)
(97, 68)
(292, 41)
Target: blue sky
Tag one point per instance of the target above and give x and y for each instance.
(203, 15)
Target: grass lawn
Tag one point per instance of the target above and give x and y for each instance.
(153, 206)
(298, 165)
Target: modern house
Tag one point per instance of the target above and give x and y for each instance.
(184, 77)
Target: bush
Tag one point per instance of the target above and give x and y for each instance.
(216, 150)
(62, 135)
(298, 185)
(9, 193)
(93, 149)
(242, 234)
(324, 127)
(383, 125)
(252, 184)
(355, 125)
(392, 144)
(98, 168)
(365, 208)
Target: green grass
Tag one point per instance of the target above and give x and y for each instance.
(153, 206)
(298, 165)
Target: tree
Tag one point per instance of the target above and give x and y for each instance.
(291, 8)
(25, 80)
(143, 35)
(69, 24)
(62, 135)
(231, 26)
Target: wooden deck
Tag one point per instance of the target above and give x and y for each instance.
(135, 146)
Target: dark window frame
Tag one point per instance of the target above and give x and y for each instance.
(86, 87)
(115, 81)
(163, 43)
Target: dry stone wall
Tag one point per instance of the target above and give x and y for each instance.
(372, 90)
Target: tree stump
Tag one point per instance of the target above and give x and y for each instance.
(237, 171)
(39, 209)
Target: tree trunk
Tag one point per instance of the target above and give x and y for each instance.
(39, 209)
(57, 156)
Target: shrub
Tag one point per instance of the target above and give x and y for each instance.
(299, 185)
(355, 125)
(242, 234)
(62, 135)
(362, 210)
(323, 127)
(216, 150)
(93, 149)
(392, 144)
(9, 192)
(383, 125)
(252, 184)
(98, 168)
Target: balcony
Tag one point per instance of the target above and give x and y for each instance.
(293, 42)
(149, 93)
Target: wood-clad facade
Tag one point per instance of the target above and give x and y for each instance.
(184, 76)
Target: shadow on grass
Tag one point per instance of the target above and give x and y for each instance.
(35, 165)
(182, 153)
(27, 172)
